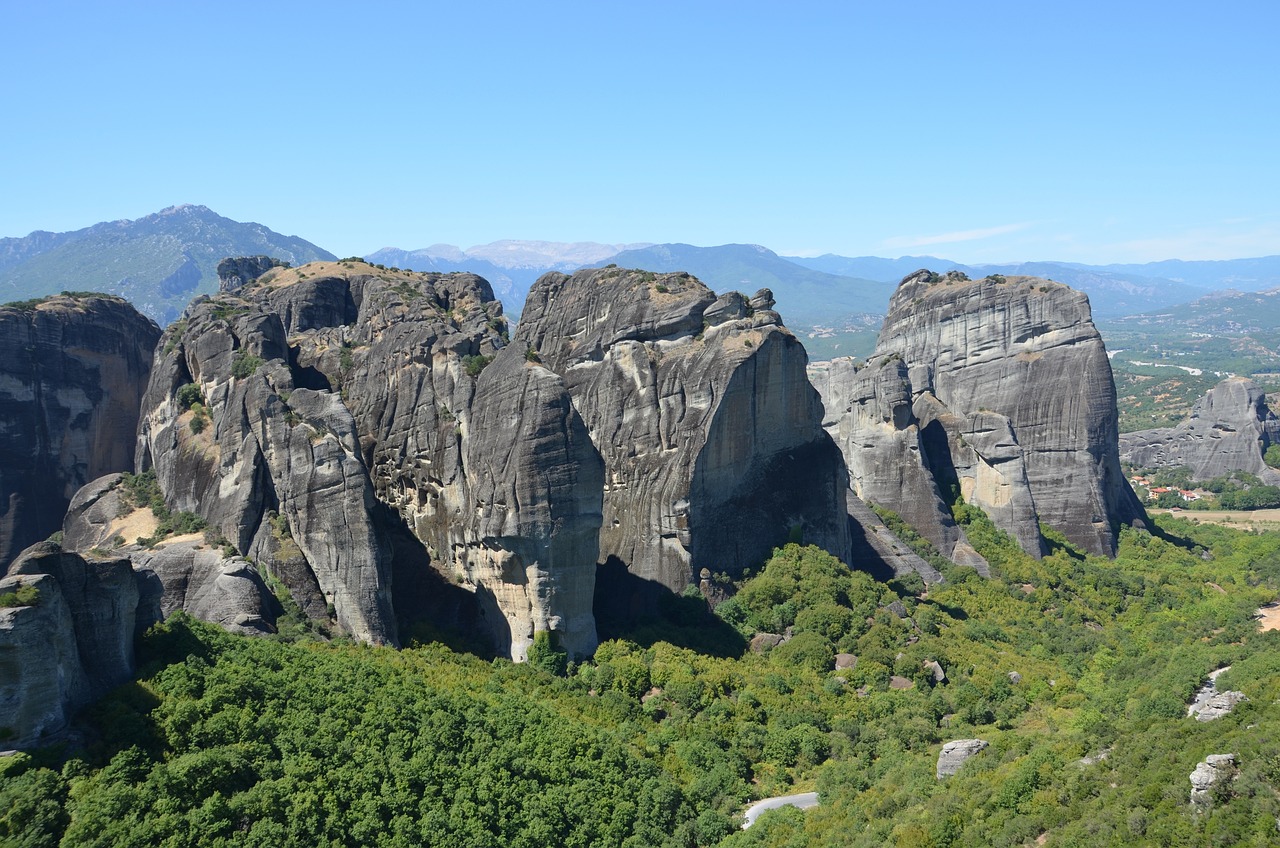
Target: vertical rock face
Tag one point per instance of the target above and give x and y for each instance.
(72, 645)
(536, 484)
(72, 370)
(997, 390)
(341, 402)
(700, 407)
(1230, 428)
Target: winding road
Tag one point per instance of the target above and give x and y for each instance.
(804, 801)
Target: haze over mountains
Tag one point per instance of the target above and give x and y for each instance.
(158, 262)
(835, 303)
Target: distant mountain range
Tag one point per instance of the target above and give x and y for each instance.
(158, 262)
(835, 303)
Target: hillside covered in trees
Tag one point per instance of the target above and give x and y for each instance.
(1076, 669)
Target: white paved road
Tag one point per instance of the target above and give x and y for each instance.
(804, 801)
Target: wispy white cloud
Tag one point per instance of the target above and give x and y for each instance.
(954, 238)
(1223, 241)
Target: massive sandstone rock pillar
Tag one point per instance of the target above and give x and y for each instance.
(709, 429)
(1229, 429)
(998, 390)
(72, 372)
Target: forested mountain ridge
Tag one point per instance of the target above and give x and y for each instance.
(157, 262)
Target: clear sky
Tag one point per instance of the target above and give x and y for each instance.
(978, 131)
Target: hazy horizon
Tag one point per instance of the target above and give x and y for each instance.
(1094, 134)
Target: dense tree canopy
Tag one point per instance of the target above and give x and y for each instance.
(1076, 669)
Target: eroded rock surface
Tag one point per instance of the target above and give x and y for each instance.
(72, 645)
(344, 406)
(72, 372)
(955, 753)
(1212, 771)
(1229, 429)
(699, 404)
(997, 390)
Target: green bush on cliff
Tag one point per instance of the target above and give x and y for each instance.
(23, 596)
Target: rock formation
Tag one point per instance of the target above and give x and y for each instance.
(1230, 428)
(1219, 704)
(1212, 771)
(955, 753)
(73, 644)
(311, 415)
(72, 371)
(996, 390)
(709, 429)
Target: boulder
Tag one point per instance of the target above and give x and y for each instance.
(1213, 770)
(955, 753)
(996, 390)
(1220, 704)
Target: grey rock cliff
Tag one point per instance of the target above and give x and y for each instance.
(700, 407)
(72, 646)
(1229, 429)
(269, 446)
(347, 406)
(998, 390)
(72, 371)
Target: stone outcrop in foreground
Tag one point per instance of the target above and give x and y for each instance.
(995, 390)
(1229, 429)
(71, 645)
(72, 371)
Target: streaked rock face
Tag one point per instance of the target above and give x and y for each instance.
(709, 429)
(997, 390)
(72, 371)
(344, 402)
(1230, 428)
(72, 646)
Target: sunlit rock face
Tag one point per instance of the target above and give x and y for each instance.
(72, 371)
(345, 411)
(699, 405)
(998, 391)
(1229, 429)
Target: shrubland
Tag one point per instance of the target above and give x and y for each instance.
(1076, 669)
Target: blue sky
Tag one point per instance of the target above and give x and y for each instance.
(1093, 132)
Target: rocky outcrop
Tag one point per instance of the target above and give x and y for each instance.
(71, 645)
(536, 484)
(72, 371)
(1214, 770)
(996, 390)
(954, 754)
(312, 415)
(203, 582)
(1219, 704)
(236, 272)
(1230, 429)
(700, 407)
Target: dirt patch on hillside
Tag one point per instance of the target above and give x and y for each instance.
(134, 526)
(1255, 519)
(1269, 617)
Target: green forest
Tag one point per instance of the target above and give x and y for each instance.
(1076, 669)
